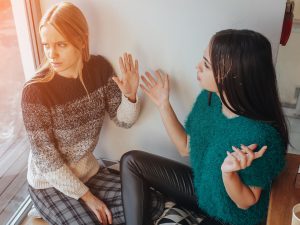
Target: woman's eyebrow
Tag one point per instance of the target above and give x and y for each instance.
(206, 60)
(57, 42)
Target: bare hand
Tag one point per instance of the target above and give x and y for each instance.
(157, 90)
(241, 158)
(98, 207)
(129, 82)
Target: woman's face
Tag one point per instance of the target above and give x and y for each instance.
(61, 54)
(205, 74)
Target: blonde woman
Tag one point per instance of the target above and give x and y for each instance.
(63, 110)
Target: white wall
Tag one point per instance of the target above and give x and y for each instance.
(171, 35)
(297, 10)
(288, 67)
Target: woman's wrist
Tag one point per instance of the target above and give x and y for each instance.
(131, 98)
(87, 196)
(228, 174)
(164, 106)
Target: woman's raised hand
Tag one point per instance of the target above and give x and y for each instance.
(157, 89)
(241, 158)
(129, 82)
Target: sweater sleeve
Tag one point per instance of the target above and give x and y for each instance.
(263, 170)
(45, 155)
(123, 112)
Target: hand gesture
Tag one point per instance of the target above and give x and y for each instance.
(98, 207)
(129, 82)
(241, 158)
(157, 90)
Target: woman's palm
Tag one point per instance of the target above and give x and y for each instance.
(157, 90)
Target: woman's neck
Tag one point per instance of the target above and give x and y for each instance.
(227, 112)
(74, 71)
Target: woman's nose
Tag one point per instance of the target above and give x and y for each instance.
(52, 54)
(199, 67)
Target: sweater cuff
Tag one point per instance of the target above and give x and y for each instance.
(128, 112)
(65, 181)
(128, 104)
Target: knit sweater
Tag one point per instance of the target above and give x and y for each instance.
(63, 124)
(211, 134)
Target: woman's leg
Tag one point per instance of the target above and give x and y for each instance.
(141, 170)
(57, 208)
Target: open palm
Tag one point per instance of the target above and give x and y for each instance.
(129, 82)
(157, 89)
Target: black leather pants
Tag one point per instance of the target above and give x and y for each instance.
(141, 170)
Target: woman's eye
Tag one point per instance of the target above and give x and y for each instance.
(205, 64)
(62, 44)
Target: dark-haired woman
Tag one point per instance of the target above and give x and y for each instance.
(235, 135)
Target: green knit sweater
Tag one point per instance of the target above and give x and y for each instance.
(211, 135)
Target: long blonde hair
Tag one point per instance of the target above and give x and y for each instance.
(67, 19)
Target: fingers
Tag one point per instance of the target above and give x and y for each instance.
(250, 154)
(245, 156)
(122, 66)
(103, 217)
(252, 146)
(136, 67)
(233, 158)
(151, 79)
(109, 215)
(126, 64)
(126, 61)
(241, 157)
(261, 152)
(130, 62)
(145, 89)
(158, 76)
(146, 82)
(161, 79)
(166, 82)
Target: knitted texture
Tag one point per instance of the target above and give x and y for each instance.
(63, 123)
(211, 134)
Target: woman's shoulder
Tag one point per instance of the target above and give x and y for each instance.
(100, 68)
(260, 132)
(33, 90)
(98, 59)
(99, 62)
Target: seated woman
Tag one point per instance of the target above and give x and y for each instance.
(236, 137)
(63, 110)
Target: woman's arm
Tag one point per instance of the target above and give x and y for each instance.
(243, 195)
(158, 91)
(121, 101)
(47, 158)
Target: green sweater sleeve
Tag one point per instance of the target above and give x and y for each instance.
(263, 170)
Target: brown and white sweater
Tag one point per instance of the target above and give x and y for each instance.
(63, 124)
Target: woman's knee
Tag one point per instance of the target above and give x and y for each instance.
(130, 158)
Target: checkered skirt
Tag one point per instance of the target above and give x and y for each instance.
(59, 209)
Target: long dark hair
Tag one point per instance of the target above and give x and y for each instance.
(243, 68)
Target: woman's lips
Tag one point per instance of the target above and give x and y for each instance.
(55, 64)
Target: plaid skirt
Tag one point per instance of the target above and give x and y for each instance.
(59, 209)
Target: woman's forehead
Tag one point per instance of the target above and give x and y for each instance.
(48, 33)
